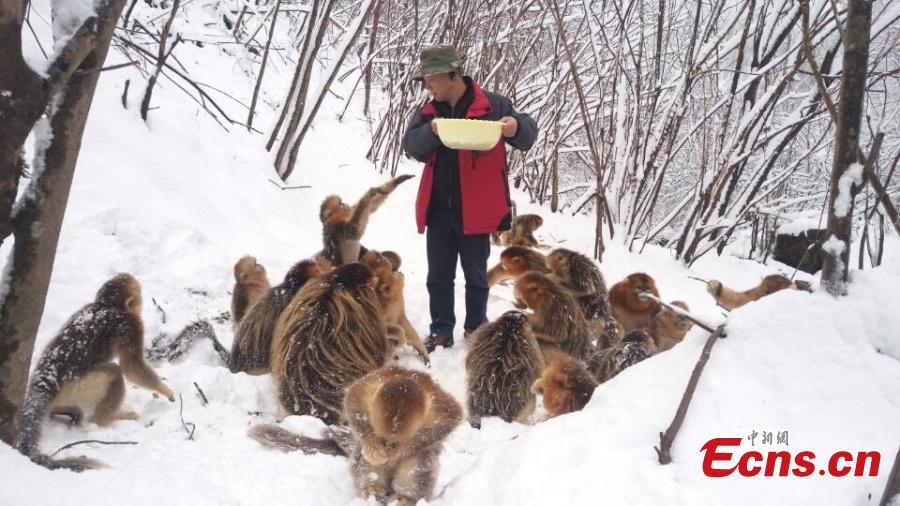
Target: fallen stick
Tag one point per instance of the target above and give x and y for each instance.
(681, 312)
(668, 437)
(190, 432)
(205, 400)
(86, 441)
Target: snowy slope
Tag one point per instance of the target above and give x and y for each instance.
(178, 200)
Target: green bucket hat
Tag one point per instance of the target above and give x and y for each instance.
(437, 60)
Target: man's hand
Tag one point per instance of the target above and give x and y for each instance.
(510, 126)
(434, 128)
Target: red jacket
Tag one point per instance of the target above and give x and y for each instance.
(483, 175)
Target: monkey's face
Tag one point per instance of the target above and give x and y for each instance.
(714, 287)
(334, 209)
(514, 265)
(390, 287)
(525, 294)
(642, 283)
(557, 261)
(394, 258)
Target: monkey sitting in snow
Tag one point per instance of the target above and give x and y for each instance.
(77, 369)
(397, 421)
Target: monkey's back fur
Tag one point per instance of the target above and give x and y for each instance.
(503, 360)
(330, 334)
(636, 346)
(251, 349)
(565, 318)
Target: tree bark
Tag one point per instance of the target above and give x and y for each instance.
(37, 221)
(850, 110)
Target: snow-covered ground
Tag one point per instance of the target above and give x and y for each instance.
(178, 200)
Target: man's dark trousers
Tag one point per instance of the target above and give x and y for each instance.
(445, 242)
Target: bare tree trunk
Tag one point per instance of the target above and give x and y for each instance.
(161, 58)
(25, 97)
(847, 182)
(296, 141)
(586, 120)
(262, 68)
(30, 266)
(373, 37)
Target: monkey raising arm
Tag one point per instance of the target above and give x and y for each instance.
(130, 349)
(368, 204)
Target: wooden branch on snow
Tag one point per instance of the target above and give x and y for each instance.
(193, 426)
(668, 437)
(202, 395)
(289, 187)
(87, 441)
(161, 310)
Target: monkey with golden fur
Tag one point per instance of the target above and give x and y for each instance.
(251, 348)
(332, 333)
(250, 284)
(503, 359)
(397, 421)
(628, 308)
(565, 384)
(557, 320)
(732, 299)
(668, 328)
(636, 346)
(514, 262)
(390, 283)
(343, 226)
(77, 367)
(522, 231)
(581, 276)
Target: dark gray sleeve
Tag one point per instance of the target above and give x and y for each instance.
(419, 141)
(527, 131)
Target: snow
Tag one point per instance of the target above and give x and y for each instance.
(178, 200)
(801, 222)
(844, 200)
(833, 246)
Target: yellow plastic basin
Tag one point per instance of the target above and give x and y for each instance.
(472, 134)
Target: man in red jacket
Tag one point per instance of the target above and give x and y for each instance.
(463, 195)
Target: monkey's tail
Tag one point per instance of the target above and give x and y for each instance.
(164, 348)
(74, 464)
(337, 440)
(37, 403)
